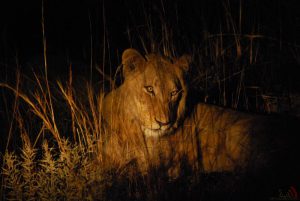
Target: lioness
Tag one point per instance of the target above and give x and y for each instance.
(147, 119)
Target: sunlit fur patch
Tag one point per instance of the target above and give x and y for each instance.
(148, 132)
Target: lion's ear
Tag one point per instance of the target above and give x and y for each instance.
(184, 62)
(131, 60)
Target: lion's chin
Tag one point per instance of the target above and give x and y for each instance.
(148, 132)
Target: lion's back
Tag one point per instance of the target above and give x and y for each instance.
(221, 139)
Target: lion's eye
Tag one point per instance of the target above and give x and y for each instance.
(175, 92)
(149, 89)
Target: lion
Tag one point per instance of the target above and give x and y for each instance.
(149, 119)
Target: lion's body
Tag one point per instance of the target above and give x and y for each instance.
(147, 120)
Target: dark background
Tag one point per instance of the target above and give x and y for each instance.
(70, 25)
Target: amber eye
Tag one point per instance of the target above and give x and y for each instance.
(149, 89)
(174, 93)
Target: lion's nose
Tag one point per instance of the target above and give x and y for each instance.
(161, 123)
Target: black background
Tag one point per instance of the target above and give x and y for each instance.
(69, 25)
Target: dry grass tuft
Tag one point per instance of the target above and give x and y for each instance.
(71, 175)
(67, 172)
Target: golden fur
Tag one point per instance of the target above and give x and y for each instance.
(155, 113)
(147, 120)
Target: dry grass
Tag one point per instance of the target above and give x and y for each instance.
(67, 172)
(69, 176)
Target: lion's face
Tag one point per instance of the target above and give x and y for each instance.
(156, 91)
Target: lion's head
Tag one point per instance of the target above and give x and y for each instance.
(153, 94)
